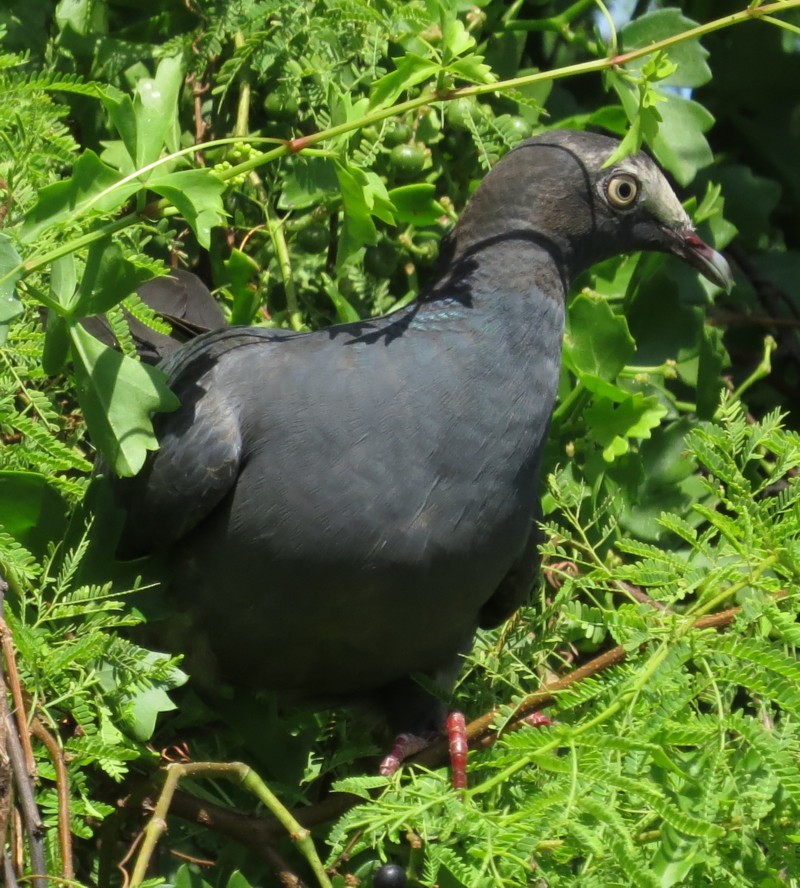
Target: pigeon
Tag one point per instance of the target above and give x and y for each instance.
(343, 509)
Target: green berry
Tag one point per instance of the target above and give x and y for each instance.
(313, 239)
(397, 134)
(461, 113)
(280, 106)
(517, 129)
(407, 160)
(381, 260)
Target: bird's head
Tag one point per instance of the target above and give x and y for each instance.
(557, 189)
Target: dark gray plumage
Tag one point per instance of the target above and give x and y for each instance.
(344, 508)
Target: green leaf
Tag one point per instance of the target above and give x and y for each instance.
(376, 196)
(679, 144)
(107, 279)
(239, 880)
(56, 343)
(688, 57)
(677, 853)
(363, 786)
(472, 69)
(118, 395)
(456, 39)
(598, 341)
(186, 877)
(614, 424)
(240, 272)
(31, 509)
(686, 823)
(411, 70)
(122, 153)
(641, 111)
(749, 202)
(93, 186)
(10, 273)
(344, 311)
(416, 204)
(357, 228)
(312, 180)
(142, 707)
(63, 281)
(663, 327)
(155, 105)
(197, 195)
(713, 357)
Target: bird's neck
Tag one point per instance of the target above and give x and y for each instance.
(500, 276)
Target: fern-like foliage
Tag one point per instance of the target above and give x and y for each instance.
(685, 756)
(98, 691)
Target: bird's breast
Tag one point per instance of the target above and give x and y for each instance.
(382, 497)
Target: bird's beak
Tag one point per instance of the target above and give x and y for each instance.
(706, 260)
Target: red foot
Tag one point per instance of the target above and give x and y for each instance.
(459, 748)
(537, 720)
(405, 745)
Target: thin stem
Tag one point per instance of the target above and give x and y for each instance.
(763, 369)
(276, 233)
(242, 124)
(618, 655)
(236, 772)
(708, 606)
(570, 403)
(299, 144)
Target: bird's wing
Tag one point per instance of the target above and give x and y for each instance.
(195, 467)
(200, 446)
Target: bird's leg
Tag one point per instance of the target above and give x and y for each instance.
(406, 745)
(458, 745)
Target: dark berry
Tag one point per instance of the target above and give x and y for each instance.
(390, 876)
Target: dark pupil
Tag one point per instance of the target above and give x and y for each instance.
(624, 190)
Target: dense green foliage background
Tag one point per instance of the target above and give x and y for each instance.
(305, 160)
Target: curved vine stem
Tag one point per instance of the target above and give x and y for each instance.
(764, 12)
(250, 781)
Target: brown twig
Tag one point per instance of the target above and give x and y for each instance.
(255, 832)
(719, 317)
(126, 879)
(640, 595)
(62, 789)
(12, 679)
(197, 861)
(5, 775)
(200, 125)
(482, 732)
(30, 813)
(8, 873)
(18, 748)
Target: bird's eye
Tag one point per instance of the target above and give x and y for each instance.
(622, 191)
